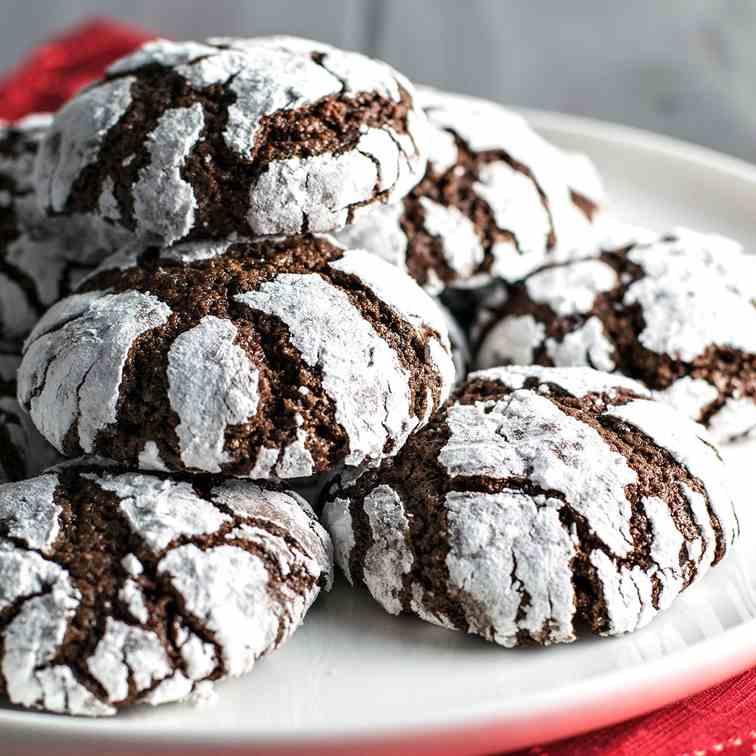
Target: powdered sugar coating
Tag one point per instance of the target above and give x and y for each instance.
(458, 239)
(243, 606)
(676, 310)
(691, 446)
(29, 513)
(160, 510)
(573, 289)
(380, 233)
(207, 401)
(506, 546)
(683, 317)
(388, 559)
(586, 346)
(512, 341)
(521, 180)
(70, 376)
(251, 82)
(556, 452)
(401, 292)
(524, 495)
(18, 164)
(164, 202)
(127, 652)
(75, 137)
(576, 381)
(374, 407)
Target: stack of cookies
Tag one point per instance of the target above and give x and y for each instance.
(236, 271)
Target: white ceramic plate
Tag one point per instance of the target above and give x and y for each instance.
(355, 680)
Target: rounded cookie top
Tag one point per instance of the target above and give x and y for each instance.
(495, 200)
(23, 451)
(124, 587)
(187, 140)
(273, 358)
(41, 259)
(538, 500)
(674, 311)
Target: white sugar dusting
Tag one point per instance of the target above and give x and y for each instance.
(586, 346)
(212, 384)
(314, 192)
(689, 396)
(164, 203)
(127, 653)
(29, 512)
(389, 557)
(571, 289)
(162, 52)
(512, 341)
(296, 460)
(73, 374)
(160, 511)
(378, 231)
(150, 459)
(75, 137)
(133, 598)
(526, 435)
(576, 381)
(509, 551)
(401, 292)
(735, 419)
(690, 445)
(337, 518)
(666, 545)
(627, 593)
(363, 377)
(460, 245)
(282, 509)
(516, 206)
(227, 590)
(684, 315)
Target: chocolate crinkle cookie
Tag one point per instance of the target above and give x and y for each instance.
(187, 140)
(276, 358)
(540, 500)
(23, 451)
(496, 199)
(40, 259)
(119, 588)
(677, 312)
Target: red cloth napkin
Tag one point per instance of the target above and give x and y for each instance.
(721, 720)
(52, 72)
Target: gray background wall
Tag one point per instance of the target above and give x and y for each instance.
(682, 67)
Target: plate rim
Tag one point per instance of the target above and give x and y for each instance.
(647, 687)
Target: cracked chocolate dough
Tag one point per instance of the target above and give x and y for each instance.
(677, 312)
(187, 140)
(276, 358)
(41, 259)
(496, 199)
(119, 588)
(23, 452)
(538, 501)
